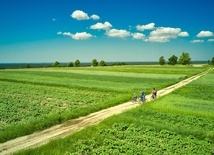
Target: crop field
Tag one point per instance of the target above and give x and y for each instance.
(34, 99)
(179, 123)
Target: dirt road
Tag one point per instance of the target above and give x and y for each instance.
(74, 125)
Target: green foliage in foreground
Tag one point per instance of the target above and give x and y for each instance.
(124, 138)
(35, 99)
(179, 123)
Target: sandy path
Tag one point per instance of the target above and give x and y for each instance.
(74, 125)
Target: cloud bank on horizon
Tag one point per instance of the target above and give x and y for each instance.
(157, 33)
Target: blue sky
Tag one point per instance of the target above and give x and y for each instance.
(113, 30)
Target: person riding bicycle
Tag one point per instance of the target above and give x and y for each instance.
(154, 93)
(134, 97)
(143, 96)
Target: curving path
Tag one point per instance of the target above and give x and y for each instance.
(77, 124)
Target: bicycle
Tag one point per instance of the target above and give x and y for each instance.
(153, 97)
(134, 99)
(141, 100)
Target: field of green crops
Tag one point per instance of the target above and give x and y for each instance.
(34, 99)
(179, 123)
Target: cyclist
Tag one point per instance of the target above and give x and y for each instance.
(134, 97)
(143, 96)
(154, 93)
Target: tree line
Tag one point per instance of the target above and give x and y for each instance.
(77, 63)
(184, 59)
(70, 64)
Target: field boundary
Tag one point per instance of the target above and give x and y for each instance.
(74, 125)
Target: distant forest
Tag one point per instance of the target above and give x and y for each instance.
(84, 64)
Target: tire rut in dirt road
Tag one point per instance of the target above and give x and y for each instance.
(71, 126)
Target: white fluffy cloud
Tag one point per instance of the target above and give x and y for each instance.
(95, 17)
(77, 36)
(203, 34)
(103, 26)
(118, 33)
(81, 36)
(67, 34)
(80, 15)
(183, 34)
(197, 41)
(59, 33)
(139, 36)
(163, 34)
(210, 40)
(149, 26)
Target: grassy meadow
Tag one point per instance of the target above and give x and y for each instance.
(179, 123)
(34, 99)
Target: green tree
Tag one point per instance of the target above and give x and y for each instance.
(94, 62)
(70, 64)
(102, 63)
(208, 62)
(161, 60)
(56, 64)
(27, 66)
(173, 60)
(184, 59)
(77, 63)
(212, 61)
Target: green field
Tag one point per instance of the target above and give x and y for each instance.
(179, 123)
(34, 99)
